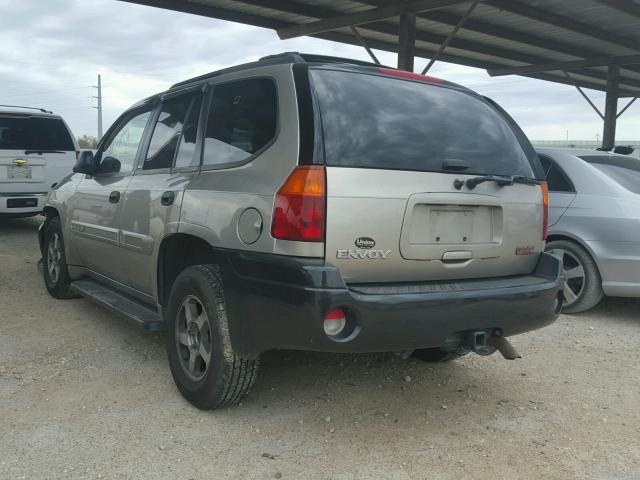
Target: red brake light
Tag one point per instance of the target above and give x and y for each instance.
(414, 76)
(299, 210)
(545, 210)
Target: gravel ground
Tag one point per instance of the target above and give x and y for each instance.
(85, 395)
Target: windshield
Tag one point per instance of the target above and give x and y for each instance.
(26, 132)
(374, 121)
(624, 170)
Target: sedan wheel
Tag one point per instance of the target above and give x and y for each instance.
(582, 286)
(574, 276)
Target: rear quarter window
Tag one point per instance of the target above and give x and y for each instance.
(372, 121)
(623, 170)
(30, 132)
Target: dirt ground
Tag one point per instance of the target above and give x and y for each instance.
(85, 395)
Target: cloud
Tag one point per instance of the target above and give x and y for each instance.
(139, 51)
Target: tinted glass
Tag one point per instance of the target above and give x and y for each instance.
(624, 170)
(119, 153)
(167, 132)
(34, 133)
(556, 179)
(186, 150)
(379, 122)
(242, 120)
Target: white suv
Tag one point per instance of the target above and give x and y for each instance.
(37, 150)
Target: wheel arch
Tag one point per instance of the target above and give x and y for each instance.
(178, 252)
(552, 237)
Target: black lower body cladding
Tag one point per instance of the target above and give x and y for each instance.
(278, 302)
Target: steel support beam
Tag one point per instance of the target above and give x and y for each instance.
(571, 24)
(611, 107)
(367, 16)
(626, 106)
(364, 45)
(406, 41)
(584, 95)
(452, 34)
(567, 66)
(627, 6)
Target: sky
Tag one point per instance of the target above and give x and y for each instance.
(53, 50)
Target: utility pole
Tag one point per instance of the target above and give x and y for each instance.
(99, 107)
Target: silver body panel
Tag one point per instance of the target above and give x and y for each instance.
(603, 217)
(424, 229)
(398, 209)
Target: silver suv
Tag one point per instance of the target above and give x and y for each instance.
(312, 203)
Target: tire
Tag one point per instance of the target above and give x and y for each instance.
(435, 355)
(582, 287)
(56, 276)
(204, 367)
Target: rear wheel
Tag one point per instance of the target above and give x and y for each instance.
(206, 370)
(56, 276)
(582, 285)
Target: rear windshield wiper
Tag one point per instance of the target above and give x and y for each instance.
(27, 152)
(503, 181)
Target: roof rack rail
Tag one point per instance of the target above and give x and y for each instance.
(28, 108)
(279, 58)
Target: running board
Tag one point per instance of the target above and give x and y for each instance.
(129, 308)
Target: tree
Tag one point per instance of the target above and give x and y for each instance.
(87, 141)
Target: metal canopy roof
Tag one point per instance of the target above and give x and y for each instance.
(571, 42)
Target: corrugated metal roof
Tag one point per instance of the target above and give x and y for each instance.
(499, 33)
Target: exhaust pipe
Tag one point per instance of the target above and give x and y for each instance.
(505, 348)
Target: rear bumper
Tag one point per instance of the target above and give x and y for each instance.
(277, 302)
(21, 204)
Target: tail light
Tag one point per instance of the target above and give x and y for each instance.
(299, 210)
(545, 210)
(334, 322)
(411, 75)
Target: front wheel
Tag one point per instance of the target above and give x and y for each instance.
(582, 286)
(56, 276)
(203, 364)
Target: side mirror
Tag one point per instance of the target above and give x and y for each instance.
(86, 163)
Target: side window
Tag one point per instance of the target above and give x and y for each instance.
(242, 119)
(187, 147)
(167, 132)
(118, 154)
(556, 179)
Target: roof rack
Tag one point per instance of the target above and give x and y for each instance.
(280, 58)
(28, 108)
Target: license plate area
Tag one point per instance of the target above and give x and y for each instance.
(435, 224)
(19, 172)
(27, 202)
(450, 227)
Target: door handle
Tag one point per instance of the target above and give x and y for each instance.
(114, 197)
(167, 198)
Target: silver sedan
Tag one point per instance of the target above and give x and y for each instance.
(594, 223)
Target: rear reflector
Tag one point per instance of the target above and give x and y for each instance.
(299, 210)
(545, 210)
(334, 322)
(414, 76)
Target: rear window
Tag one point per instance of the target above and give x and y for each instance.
(371, 121)
(624, 170)
(34, 133)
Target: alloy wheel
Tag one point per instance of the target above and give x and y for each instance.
(54, 257)
(193, 338)
(574, 277)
